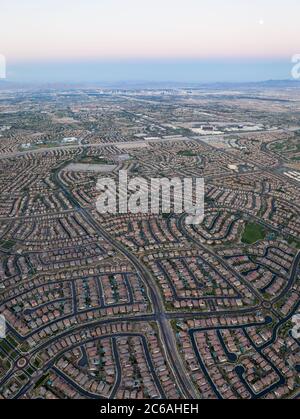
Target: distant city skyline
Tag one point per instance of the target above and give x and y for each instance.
(111, 40)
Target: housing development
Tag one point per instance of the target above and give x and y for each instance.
(145, 305)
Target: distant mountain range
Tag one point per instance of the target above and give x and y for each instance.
(131, 85)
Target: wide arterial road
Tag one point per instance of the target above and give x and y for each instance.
(166, 332)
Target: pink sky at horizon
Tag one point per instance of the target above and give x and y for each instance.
(56, 30)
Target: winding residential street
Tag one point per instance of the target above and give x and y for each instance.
(166, 331)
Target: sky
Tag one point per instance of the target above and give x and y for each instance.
(167, 40)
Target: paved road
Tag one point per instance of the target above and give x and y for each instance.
(292, 278)
(182, 227)
(166, 331)
(120, 144)
(165, 327)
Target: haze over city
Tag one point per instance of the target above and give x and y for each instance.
(111, 40)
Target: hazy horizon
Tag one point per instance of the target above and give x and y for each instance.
(111, 40)
(152, 71)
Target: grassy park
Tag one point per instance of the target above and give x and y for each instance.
(253, 232)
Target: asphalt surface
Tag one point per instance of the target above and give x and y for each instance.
(166, 331)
